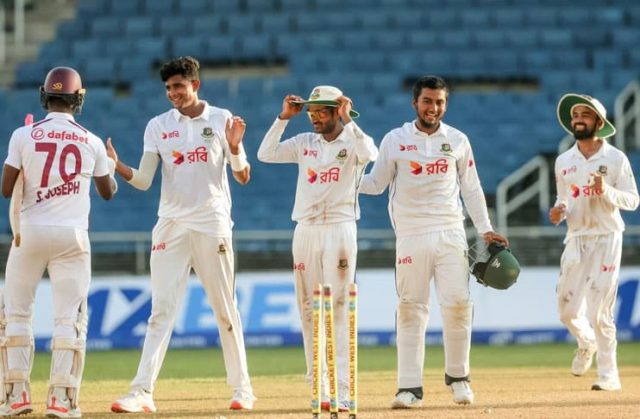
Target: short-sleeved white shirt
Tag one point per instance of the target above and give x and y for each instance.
(194, 153)
(58, 158)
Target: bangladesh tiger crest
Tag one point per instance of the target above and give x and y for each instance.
(602, 170)
(221, 249)
(343, 264)
(445, 148)
(207, 132)
(342, 154)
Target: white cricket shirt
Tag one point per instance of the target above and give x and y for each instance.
(589, 213)
(329, 172)
(426, 175)
(194, 153)
(58, 157)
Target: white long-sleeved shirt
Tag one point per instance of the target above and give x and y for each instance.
(329, 172)
(426, 175)
(589, 213)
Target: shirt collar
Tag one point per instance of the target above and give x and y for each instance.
(319, 138)
(62, 115)
(442, 130)
(204, 115)
(602, 152)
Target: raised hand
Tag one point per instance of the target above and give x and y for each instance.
(290, 108)
(111, 151)
(344, 107)
(234, 132)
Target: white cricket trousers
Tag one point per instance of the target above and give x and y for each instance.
(177, 250)
(441, 256)
(65, 252)
(325, 254)
(587, 289)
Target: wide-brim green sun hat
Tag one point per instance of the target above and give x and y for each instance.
(570, 100)
(326, 95)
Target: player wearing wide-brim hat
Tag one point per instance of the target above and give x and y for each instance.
(569, 101)
(594, 182)
(327, 96)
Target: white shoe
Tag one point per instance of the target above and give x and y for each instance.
(462, 393)
(138, 400)
(582, 360)
(405, 400)
(242, 400)
(611, 383)
(18, 404)
(60, 407)
(343, 397)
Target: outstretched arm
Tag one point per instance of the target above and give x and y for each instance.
(140, 178)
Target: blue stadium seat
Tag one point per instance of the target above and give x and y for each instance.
(275, 23)
(258, 7)
(188, 45)
(125, 8)
(139, 26)
(420, 39)
(402, 61)
(89, 9)
(99, 70)
(614, 16)
(225, 6)
(281, 86)
(294, 5)
(105, 27)
(171, 26)
(384, 83)
(221, 48)
(606, 59)
(620, 78)
(542, 18)
(256, 46)
(455, 39)
(391, 40)
(366, 61)
(193, 7)
(556, 38)
(405, 19)
(207, 24)
(442, 18)
(54, 49)
(356, 40)
(120, 48)
(150, 47)
(158, 8)
(373, 20)
(502, 62)
(508, 18)
(626, 38)
(240, 25)
(439, 62)
(318, 41)
(71, 29)
(30, 73)
(556, 80)
(476, 18)
(521, 38)
(85, 48)
(633, 57)
(575, 17)
(133, 68)
(489, 38)
(286, 45)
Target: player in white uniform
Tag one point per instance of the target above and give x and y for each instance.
(194, 142)
(427, 164)
(331, 163)
(594, 182)
(58, 158)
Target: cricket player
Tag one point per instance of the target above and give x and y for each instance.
(58, 157)
(427, 165)
(194, 142)
(331, 161)
(594, 182)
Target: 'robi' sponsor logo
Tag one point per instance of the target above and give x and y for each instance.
(172, 134)
(37, 134)
(67, 136)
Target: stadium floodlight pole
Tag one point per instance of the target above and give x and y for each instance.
(15, 206)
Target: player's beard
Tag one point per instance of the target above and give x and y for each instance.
(583, 134)
(428, 125)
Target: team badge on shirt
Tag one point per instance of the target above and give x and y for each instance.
(221, 249)
(207, 132)
(343, 264)
(602, 170)
(342, 154)
(445, 148)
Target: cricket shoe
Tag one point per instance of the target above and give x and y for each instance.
(138, 400)
(242, 400)
(582, 360)
(610, 383)
(18, 404)
(405, 400)
(60, 407)
(462, 393)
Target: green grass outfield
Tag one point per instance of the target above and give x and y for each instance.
(208, 363)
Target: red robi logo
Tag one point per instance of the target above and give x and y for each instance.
(178, 156)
